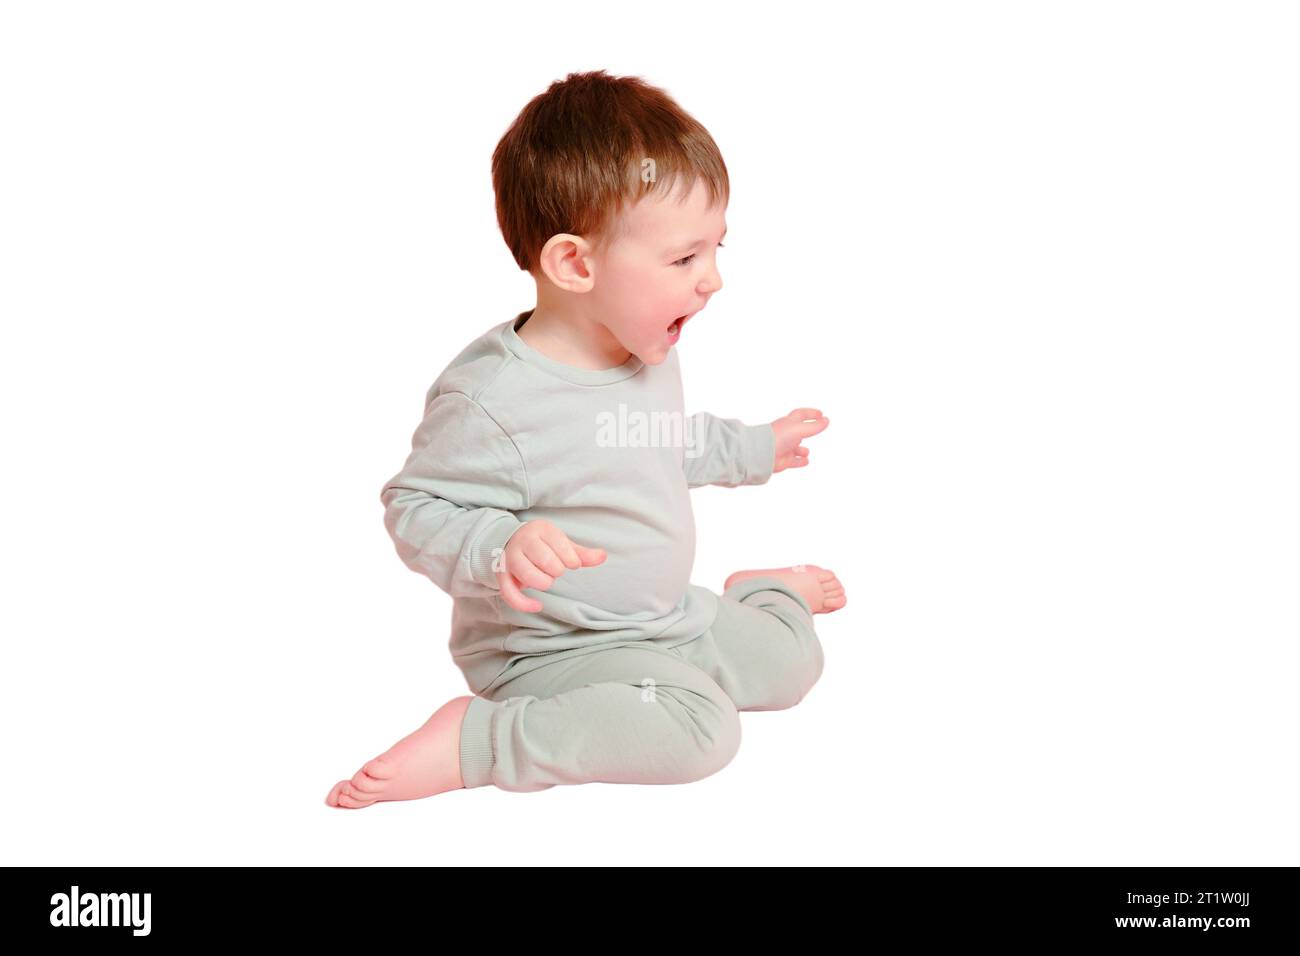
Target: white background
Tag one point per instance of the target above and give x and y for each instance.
(1037, 262)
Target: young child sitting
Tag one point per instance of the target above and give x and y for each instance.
(548, 486)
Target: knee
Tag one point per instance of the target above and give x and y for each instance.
(795, 681)
(812, 674)
(713, 732)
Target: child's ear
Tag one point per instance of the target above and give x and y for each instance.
(566, 262)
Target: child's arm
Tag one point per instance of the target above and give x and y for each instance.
(449, 510)
(727, 452)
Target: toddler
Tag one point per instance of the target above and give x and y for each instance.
(547, 488)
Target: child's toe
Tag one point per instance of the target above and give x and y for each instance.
(349, 797)
(332, 799)
(365, 785)
(381, 768)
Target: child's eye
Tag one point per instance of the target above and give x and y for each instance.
(687, 260)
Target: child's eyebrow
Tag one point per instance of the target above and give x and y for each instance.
(683, 246)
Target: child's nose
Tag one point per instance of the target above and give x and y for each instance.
(712, 281)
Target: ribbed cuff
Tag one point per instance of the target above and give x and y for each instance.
(760, 453)
(476, 752)
(485, 551)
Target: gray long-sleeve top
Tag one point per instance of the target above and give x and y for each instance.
(608, 456)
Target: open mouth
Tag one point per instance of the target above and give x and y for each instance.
(678, 322)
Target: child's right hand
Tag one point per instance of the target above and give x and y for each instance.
(536, 554)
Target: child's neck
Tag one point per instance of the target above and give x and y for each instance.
(563, 339)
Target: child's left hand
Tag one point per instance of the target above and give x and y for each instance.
(790, 431)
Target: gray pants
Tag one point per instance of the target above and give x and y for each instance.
(644, 712)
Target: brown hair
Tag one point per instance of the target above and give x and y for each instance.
(576, 154)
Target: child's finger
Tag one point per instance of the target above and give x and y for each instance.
(543, 555)
(511, 594)
(528, 574)
(590, 556)
(807, 429)
(805, 413)
(562, 547)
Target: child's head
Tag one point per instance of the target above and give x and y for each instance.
(614, 199)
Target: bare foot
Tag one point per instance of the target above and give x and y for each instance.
(419, 765)
(819, 587)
